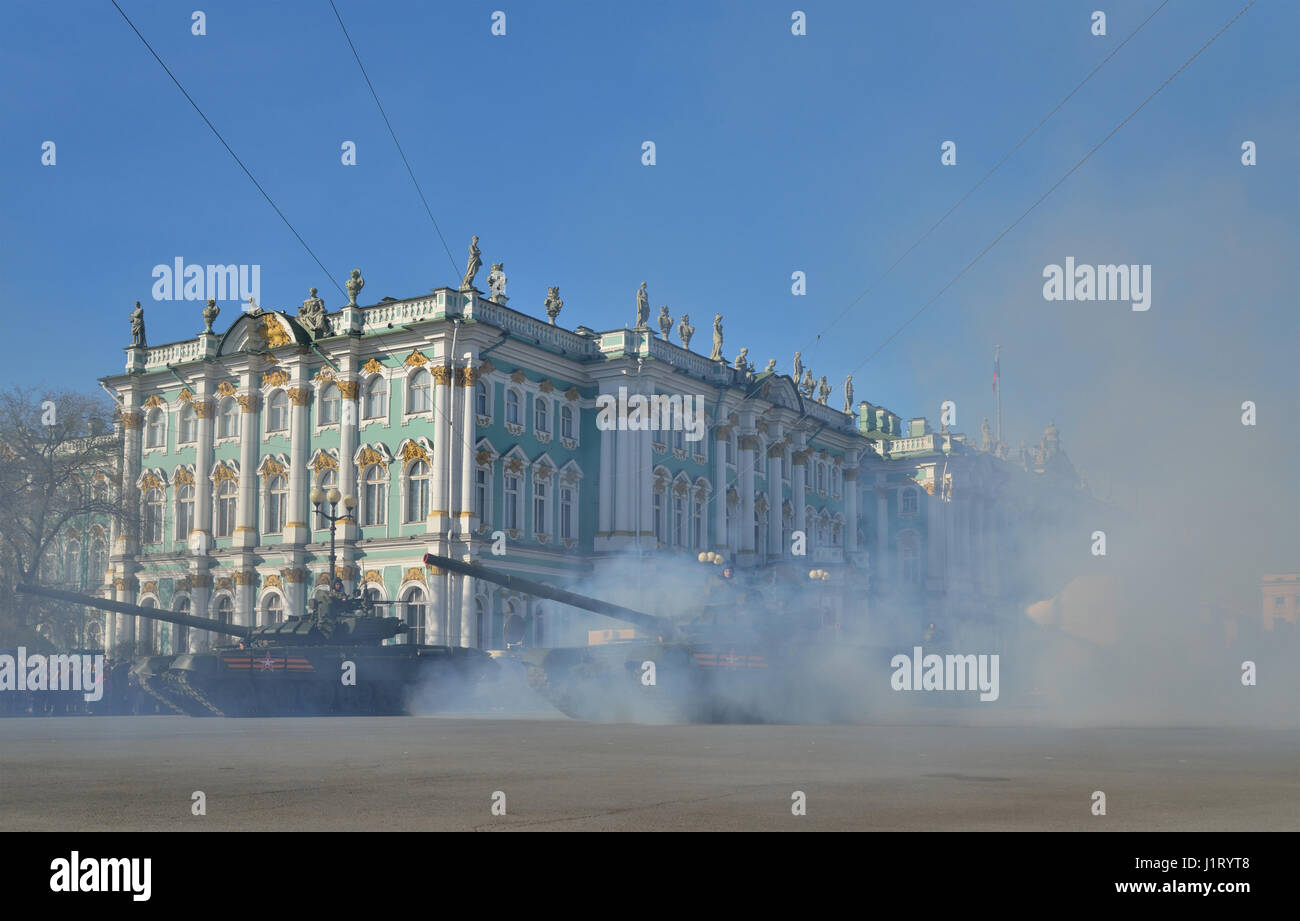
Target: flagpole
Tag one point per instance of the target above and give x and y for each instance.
(997, 393)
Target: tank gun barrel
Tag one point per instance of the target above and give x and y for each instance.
(135, 610)
(648, 622)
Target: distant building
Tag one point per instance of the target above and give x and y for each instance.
(1280, 599)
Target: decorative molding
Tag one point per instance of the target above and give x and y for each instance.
(223, 584)
(299, 396)
(294, 576)
(271, 468)
(372, 575)
(249, 402)
(155, 402)
(369, 457)
(373, 366)
(272, 333)
(416, 359)
(465, 377)
(244, 578)
(414, 574)
(131, 420)
(226, 389)
(323, 460)
(151, 480)
(546, 386)
(572, 394)
(203, 409)
(223, 471)
(441, 375)
(186, 395)
(348, 390)
(277, 378)
(149, 588)
(272, 581)
(486, 367)
(323, 375)
(412, 451)
(183, 476)
(518, 376)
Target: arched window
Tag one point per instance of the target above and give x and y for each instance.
(910, 558)
(907, 502)
(541, 414)
(541, 507)
(277, 504)
(659, 515)
(482, 405)
(72, 562)
(144, 626)
(679, 519)
(225, 609)
(273, 609)
(568, 529)
(98, 559)
(224, 519)
(417, 492)
(414, 616)
(481, 493)
(227, 418)
(511, 496)
(277, 412)
(153, 516)
(480, 622)
(180, 642)
(374, 507)
(376, 401)
(329, 404)
(327, 480)
(512, 407)
(155, 429)
(184, 512)
(697, 522)
(566, 421)
(188, 430)
(419, 392)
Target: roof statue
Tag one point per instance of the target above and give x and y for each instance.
(210, 313)
(798, 367)
(848, 394)
(642, 307)
(137, 327)
(497, 283)
(553, 303)
(471, 269)
(716, 354)
(354, 286)
(311, 315)
(665, 322)
(823, 391)
(685, 330)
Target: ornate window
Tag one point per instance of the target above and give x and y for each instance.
(188, 428)
(273, 609)
(512, 407)
(153, 517)
(184, 512)
(481, 493)
(225, 609)
(180, 642)
(658, 508)
(376, 401)
(909, 557)
(417, 492)
(419, 392)
(374, 503)
(566, 421)
(679, 519)
(98, 559)
(414, 615)
(327, 480)
(72, 562)
(511, 511)
(697, 519)
(277, 504)
(821, 477)
(568, 525)
(541, 414)
(907, 502)
(227, 418)
(155, 432)
(277, 412)
(224, 519)
(541, 507)
(329, 404)
(482, 404)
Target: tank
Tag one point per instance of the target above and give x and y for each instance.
(728, 658)
(329, 660)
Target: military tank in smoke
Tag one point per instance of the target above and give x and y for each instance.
(330, 660)
(727, 661)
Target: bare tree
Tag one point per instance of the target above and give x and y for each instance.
(60, 467)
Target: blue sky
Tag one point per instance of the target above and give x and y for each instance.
(775, 153)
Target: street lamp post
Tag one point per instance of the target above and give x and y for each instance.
(318, 496)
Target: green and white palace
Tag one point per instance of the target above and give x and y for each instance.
(456, 422)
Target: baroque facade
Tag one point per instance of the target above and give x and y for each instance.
(459, 423)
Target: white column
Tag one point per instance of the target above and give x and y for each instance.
(880, 565)
(721, 434)
(605, 512)
(347, 531)
(774, 496)
(745, 526)
(249, 399)
(297, 529)
(849, 486)
(440, 494)
(469, 428)
(798, 487)
(938, 537)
